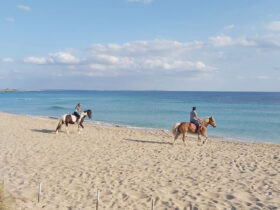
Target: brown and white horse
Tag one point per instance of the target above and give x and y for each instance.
(185, 127)
(72, 119)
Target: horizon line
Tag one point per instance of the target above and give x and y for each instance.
(30, 90)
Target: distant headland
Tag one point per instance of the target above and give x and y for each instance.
(11, 90)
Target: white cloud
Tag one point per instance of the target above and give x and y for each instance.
(262, 77)
(23, 7)
(229, 27)
(62, 58)
(246, 42)
(108, 59)
(11, 20)
(152, 57)
(35, 60)
(221, 40)
(274, 26)
(53, 58)
(7, 60)
(144, 1)
(146, 56)
(177, 65)
(142, 48)
(98, 67)
(138, 57)
(268, 42)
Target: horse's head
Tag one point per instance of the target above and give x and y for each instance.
(212, 121)
(89, 113)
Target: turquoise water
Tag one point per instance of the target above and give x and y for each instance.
(248, 116)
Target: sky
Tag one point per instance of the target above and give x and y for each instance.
(185, 45)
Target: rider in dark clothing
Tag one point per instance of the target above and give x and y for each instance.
(195, 119)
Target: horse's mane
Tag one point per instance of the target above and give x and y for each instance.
(89, 112)
(206, 119)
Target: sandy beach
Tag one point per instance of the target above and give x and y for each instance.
(131, 167)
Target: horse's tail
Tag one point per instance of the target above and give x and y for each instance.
(175, 128)
(60, 123)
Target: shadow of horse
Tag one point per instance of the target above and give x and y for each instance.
(43, 130)
(148, 142)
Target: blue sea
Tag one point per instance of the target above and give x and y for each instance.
(245, 116)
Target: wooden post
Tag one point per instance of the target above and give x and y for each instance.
(190, 206)
(39, 191)
(97, 200)
(152, 204)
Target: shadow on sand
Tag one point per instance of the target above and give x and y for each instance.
(43, 130)
(148, 142)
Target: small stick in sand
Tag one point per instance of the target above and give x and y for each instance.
(152, 204)
(3, 185)
(97, 201)
(39, 191)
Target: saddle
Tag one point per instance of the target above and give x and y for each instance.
(193, 127)
(77, 116)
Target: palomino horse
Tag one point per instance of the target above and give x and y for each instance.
(72, 119)
(185, 127)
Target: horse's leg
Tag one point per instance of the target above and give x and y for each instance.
(78, 127)
(206, 137)
(58, 128)
(184, 131)
(198, 138)
(67, 131)
(176, 136)
(80, 124)
(62, 122)
(203, 133)
(184, 137)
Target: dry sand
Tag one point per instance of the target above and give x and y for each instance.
(131, 167)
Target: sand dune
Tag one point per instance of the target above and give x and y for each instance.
(130, 167)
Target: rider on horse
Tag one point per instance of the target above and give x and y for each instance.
(77, 111)
(195, 119)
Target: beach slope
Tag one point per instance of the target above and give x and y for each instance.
(131, 167)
